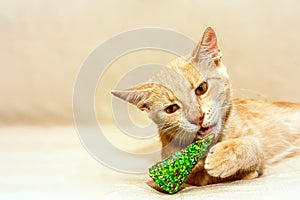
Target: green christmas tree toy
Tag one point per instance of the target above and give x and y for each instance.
(171, 173)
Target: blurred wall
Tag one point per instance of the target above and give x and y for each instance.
(43, 43)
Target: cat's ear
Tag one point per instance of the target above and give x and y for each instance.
(208, 49)
(138, 96)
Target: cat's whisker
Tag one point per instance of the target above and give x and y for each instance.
(167, 128)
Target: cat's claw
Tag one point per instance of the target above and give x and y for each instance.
(221, 160)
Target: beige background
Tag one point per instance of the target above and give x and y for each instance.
(43, 44)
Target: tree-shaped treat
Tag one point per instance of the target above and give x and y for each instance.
(171, 173)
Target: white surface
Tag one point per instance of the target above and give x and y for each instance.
(50, 163)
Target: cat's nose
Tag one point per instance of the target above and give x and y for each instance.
(199, 120)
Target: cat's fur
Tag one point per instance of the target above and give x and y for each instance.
(251, 133)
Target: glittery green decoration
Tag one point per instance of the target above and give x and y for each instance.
(171, 173)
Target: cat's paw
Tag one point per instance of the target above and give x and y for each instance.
(221, 160)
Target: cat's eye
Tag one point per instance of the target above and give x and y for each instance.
(172, 108)
(201, 89)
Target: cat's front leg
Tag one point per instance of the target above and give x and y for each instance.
(227, 158)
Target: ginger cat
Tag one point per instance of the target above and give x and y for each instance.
(192, 98)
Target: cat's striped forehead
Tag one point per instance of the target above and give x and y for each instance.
(172, 80)
(188, 71)
(178, 85)
(196, 73)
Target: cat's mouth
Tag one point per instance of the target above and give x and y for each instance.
(204, 131)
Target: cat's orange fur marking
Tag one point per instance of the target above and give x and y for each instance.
(252, 133)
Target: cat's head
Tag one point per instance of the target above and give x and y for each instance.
(189, 99)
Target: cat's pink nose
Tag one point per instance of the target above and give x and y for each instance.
(198, 121)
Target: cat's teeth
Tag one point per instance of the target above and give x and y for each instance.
(202, 132)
